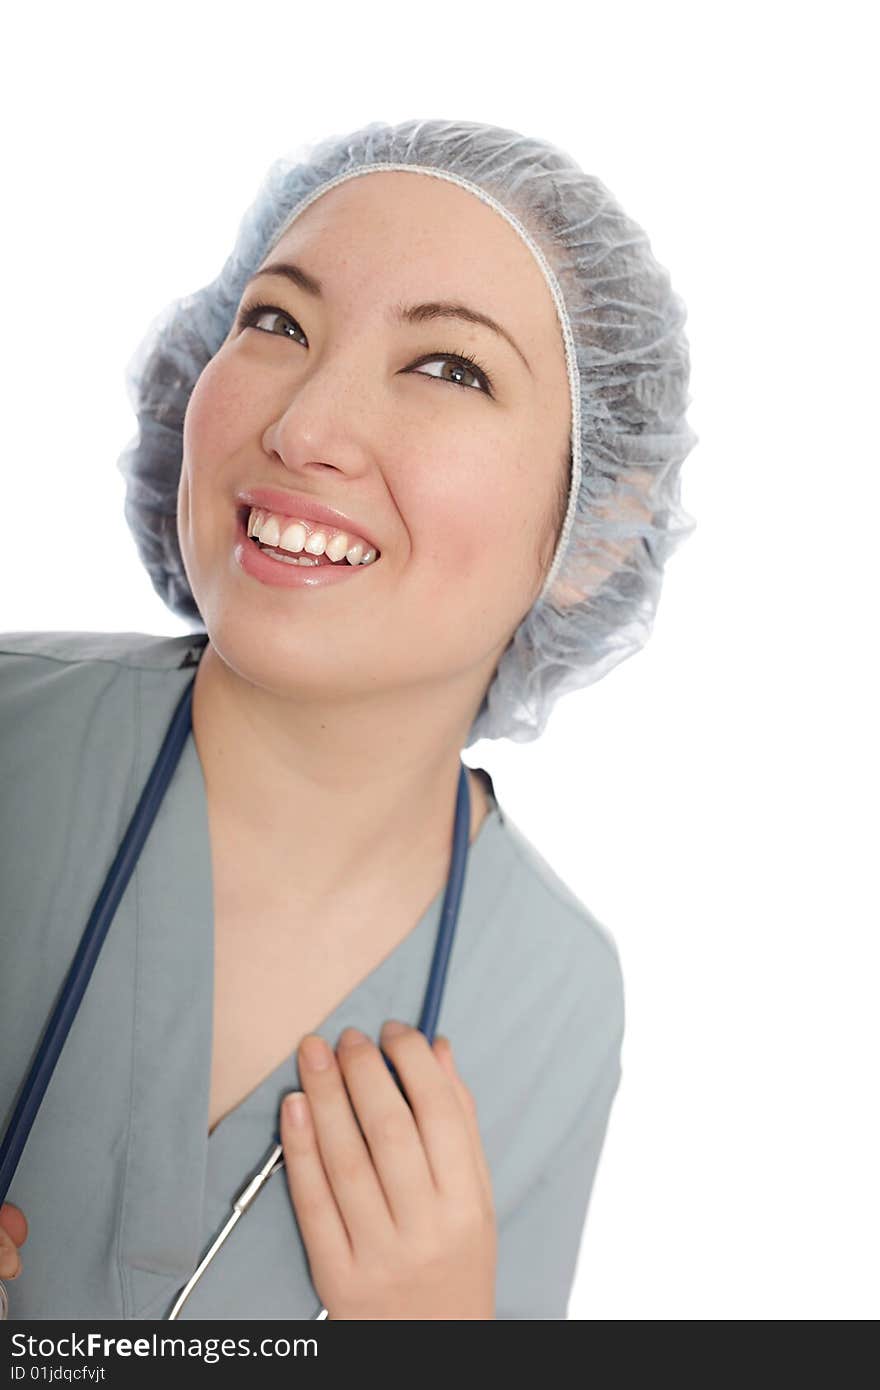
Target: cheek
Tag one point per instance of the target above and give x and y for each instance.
(468, 509)
(217, 414)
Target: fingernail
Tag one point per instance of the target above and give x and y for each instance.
(393, 1027)
(295, 1109)
(315, 1052)
(352, 1037)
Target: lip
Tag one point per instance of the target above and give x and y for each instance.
(305, 508)
(252, 560)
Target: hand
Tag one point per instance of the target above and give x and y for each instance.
(394, 1204)
(13, 1233)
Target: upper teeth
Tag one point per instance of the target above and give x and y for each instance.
(290, 534)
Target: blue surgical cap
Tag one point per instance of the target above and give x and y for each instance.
(628, 365)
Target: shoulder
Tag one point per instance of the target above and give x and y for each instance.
(44, 674)
(71, 698)
(549, 971)
(139, 650)
(563, 939)
(82, 715)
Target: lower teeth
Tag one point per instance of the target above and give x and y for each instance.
(309, 560)
(305, 560)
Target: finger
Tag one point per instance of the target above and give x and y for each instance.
(342, 1147)
(10, 1260)
(320, 1223)
(465, 1096)
(12, 1219)
(438, 1112)
(389, 1128)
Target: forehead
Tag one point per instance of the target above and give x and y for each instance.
(405, 235)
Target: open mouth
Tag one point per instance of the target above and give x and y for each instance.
(302, 558)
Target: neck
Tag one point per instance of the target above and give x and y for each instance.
(326, 797)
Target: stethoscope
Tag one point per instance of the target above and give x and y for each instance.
(89, 948)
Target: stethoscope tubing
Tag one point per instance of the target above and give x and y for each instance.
(87, 952)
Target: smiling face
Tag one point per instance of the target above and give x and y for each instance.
(456, 471)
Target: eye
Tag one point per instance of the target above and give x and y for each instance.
(249, 315)
(463, 364)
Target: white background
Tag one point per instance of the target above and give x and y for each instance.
(713, 800)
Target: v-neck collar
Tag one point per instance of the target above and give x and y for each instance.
(180, 1181)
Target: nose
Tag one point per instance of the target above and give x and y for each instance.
(321, 422)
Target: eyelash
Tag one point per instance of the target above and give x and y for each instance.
(251, 311)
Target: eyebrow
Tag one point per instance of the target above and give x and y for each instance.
(399, 313)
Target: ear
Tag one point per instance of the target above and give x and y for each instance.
(624, 518)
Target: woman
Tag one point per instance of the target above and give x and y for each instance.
(400, 526)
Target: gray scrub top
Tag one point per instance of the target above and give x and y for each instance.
(123, 1188)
